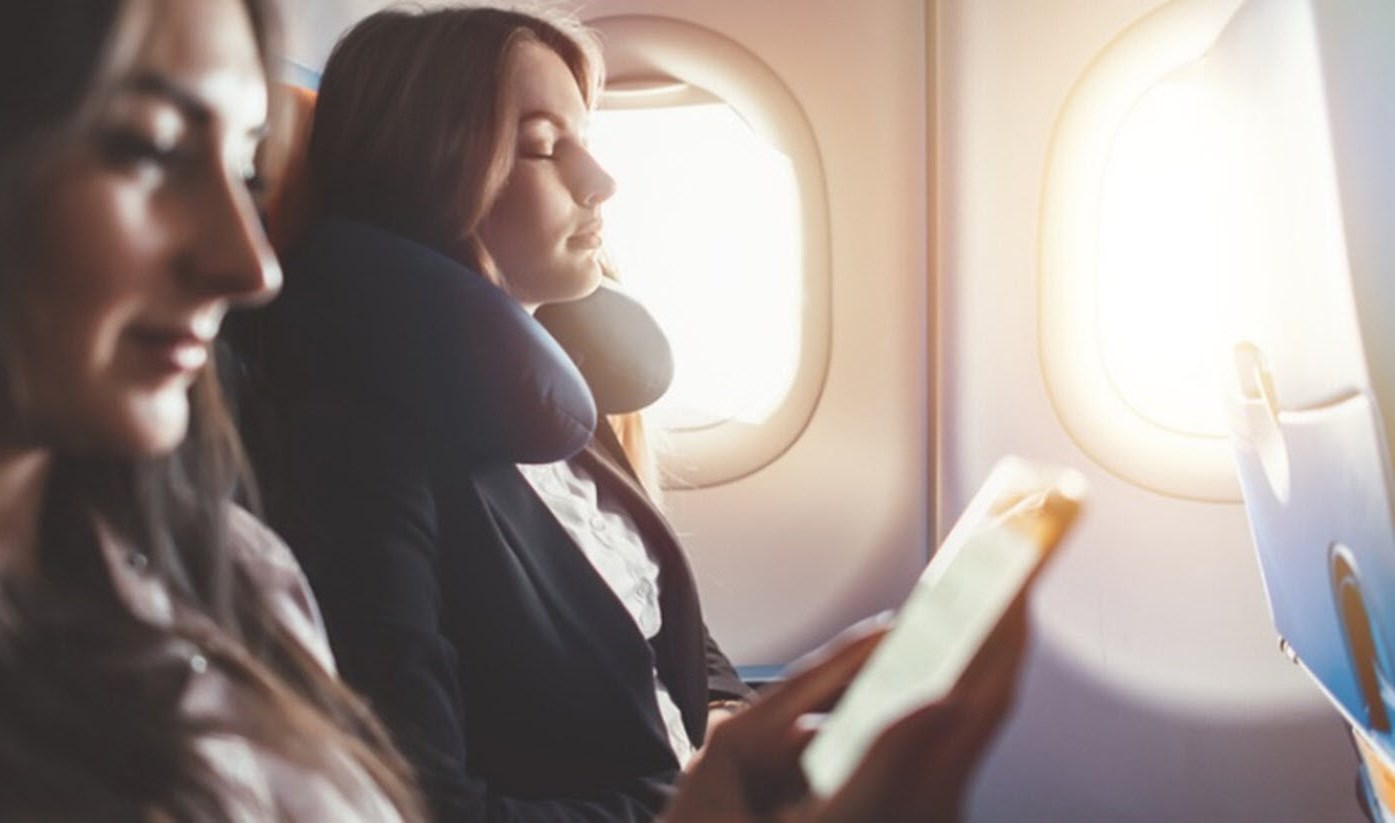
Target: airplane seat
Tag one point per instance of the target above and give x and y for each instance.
(286, 213)
(1313, 415)
(289, 201)
(1317, 483)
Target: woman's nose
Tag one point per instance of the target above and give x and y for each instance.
(595, 185)
(232, 257)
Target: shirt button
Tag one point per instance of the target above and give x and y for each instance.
(198, 663)
(138, 562)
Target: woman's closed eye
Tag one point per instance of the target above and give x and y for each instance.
(538, 150)
(539, 139)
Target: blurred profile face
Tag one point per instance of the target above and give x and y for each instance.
(544, 230)
(145, 234)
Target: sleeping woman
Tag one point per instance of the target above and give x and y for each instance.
(494, 579)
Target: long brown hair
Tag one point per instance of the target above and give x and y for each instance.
(414, 132)
(414, 126)
(90, 719)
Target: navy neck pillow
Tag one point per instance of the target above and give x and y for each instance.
(614, 341)
(436, 346)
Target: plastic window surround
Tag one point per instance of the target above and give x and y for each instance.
(1086, 400)
(651, 53)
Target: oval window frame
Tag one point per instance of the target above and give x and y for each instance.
(649, 51)
(1087, 402)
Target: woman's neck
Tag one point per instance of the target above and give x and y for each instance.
(23, 478)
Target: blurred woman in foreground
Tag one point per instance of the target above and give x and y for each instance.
(160, 655)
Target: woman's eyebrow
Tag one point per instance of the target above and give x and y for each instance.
(549, 116)
(158, 85)
(188, 102)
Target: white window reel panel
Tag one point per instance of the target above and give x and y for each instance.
(1142, 290)
(720, 226)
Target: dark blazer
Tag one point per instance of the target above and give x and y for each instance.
(514, 679)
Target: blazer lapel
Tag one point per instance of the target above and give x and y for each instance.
(569, 587)
(679, 648)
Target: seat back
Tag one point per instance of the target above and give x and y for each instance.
(1314, 406)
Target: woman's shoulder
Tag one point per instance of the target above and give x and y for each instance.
(268, 561)
(257, 548)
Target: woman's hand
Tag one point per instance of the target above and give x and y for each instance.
(918, 769)
(720, 713)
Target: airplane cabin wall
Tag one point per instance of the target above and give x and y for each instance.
(1155, 689)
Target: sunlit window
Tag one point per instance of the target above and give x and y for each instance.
(1219, 223)
(1170, 208)
(705, 230)
(1190, 207)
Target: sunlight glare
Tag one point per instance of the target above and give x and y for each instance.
(1166, 258)
(705, 230)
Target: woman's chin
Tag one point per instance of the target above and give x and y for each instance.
(590, 284)
(576, 291)
(155, 425)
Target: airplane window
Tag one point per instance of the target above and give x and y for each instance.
(1190, 172)
(1167, 308)
(720, 226)
(704, 230)
(1134, 282)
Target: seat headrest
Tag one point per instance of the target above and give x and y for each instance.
(289, 201)
(432, 343)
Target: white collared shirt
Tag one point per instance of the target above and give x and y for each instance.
(612, 543)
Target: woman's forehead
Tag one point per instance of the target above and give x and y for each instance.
(544, 87)
(203, 55)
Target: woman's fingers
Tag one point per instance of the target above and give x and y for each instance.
(750, 763)
(920, 767)
(917, 769)
(819, 677)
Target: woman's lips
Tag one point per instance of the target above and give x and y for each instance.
(588, 240)
(589, 237)
(171, 351)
